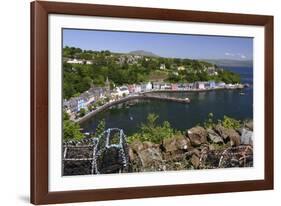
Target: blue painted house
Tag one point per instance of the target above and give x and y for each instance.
(81, 104)
(212, 84)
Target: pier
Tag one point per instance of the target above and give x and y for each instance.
(179, 100)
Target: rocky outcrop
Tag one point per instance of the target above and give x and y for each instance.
(195, 161)
(151, 158)
(197, 136)
(199, 148)
(246, 136)
(228, 135)
(145, 156)
(213, 137)
(249, 125)
(173, 145)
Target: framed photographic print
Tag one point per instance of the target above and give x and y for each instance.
(131, 102)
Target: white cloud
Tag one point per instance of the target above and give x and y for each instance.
(228, 54)
(235, 55)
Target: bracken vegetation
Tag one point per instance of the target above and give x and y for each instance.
(153, 132)
(226, 122)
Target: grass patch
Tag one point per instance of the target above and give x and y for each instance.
(158, 75)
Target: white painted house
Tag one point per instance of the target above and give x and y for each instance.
(89, 62)
(221, 84)
(137, 88)
(166, 86)
(121, 91)
(162, 66)
(181, 68)
(148, 86)
(75, 61)
(200, 85)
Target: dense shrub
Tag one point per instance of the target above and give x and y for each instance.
(153, 132)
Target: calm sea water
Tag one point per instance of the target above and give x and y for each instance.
(182, 116)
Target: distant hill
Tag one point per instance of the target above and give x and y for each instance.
(143, 53)
(230, 62)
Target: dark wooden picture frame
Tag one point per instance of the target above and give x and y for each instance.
(39, 102)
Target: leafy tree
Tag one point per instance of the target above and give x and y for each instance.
(209, 123)
(100, 128)
(82, 112)
(90, 107)
(153, 132)
(174, 78)
(65, 116)
(229, 122)
(71, 131)
(150, 121)
(86, 56)
(226, 122)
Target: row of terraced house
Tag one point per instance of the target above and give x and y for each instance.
(74, 104)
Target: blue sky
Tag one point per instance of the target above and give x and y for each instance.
(165, 45)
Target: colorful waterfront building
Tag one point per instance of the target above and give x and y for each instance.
(137, 88)
(221, 84)
(156, 85)
(121, 91)
(166, 86)
(189, 86)
(181, 87)
(80, 105)
(174, 86)
(146, 87)
(200, 85)
(131, 88)
(211, 84)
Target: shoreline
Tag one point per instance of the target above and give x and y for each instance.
(144, 96)
(125, 99)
